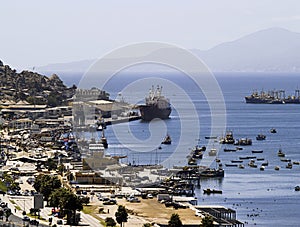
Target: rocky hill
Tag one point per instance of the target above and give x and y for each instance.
(33, 87)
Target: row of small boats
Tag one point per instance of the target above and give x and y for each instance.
(228, 138)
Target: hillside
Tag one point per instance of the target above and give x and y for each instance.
(33, 87)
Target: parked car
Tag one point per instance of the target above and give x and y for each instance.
(134, 200)
(34, 222)
(25, 218)
(150, 196)
(110, 202)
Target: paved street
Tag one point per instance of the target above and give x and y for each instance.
(27, 203)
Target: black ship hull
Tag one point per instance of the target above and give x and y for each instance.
(150, 112)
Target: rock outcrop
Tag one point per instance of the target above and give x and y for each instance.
(33, 87)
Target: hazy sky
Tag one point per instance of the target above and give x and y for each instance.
(35, 33)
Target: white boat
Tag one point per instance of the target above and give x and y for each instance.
(212, 152)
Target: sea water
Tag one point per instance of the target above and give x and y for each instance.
(262, 198)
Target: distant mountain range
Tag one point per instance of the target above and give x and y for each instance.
(269, 50)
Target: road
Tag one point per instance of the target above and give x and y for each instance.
(26, 202)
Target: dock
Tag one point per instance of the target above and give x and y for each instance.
(111, 121)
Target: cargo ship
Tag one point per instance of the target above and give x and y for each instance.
(156, 106)
(273, 97)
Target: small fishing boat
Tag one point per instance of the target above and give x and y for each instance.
(262, 168)
(260, 137)
(296, 162)
(285, 160)
(247, 157)
(210, 137)
(289, 165)
(236, 161)
(239, 148)
(241, 166)
(273, 130)
(228, 138)
(265, 163)
(257, 151)
(260, 159)
(212, 191)
(167, 140)
(209, 172)
(243, 142)
(229, 150)
(212, 152)
(252, 164)
(192, 161)
(104, 142)
(231, 165)
(280, 153)
(297, 188)
(277, 168)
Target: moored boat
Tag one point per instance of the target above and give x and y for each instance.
(243, 142)
(257, 151)
(247, 157)
(252, 164)
(262, 168)
(260, 137)
(265, 163)
(280, 153)
(211, 191)
(236, 161)
(212, 172)
(229, 150)
(231, 165)
(210, 137)
(228, 138)
(285, 160)
(212, 152)
(289, 165)
(277, 168)
(167, 140)
(273, 130)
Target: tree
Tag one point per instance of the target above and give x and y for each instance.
(207, 221)
(121, 215)
(85, 200)
(110, 222)
(67, 201)
(7, 213)
(10, 182)
(175, 221)
(45, 184)
(61, 169)
(51, 164)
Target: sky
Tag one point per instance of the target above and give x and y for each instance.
(37, 33)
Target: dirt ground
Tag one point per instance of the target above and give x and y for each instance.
(153, 211)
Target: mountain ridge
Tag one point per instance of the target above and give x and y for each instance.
(268, 50)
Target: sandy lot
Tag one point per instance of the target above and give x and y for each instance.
(153, 211)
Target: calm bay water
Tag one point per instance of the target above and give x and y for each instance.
(262, 198)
